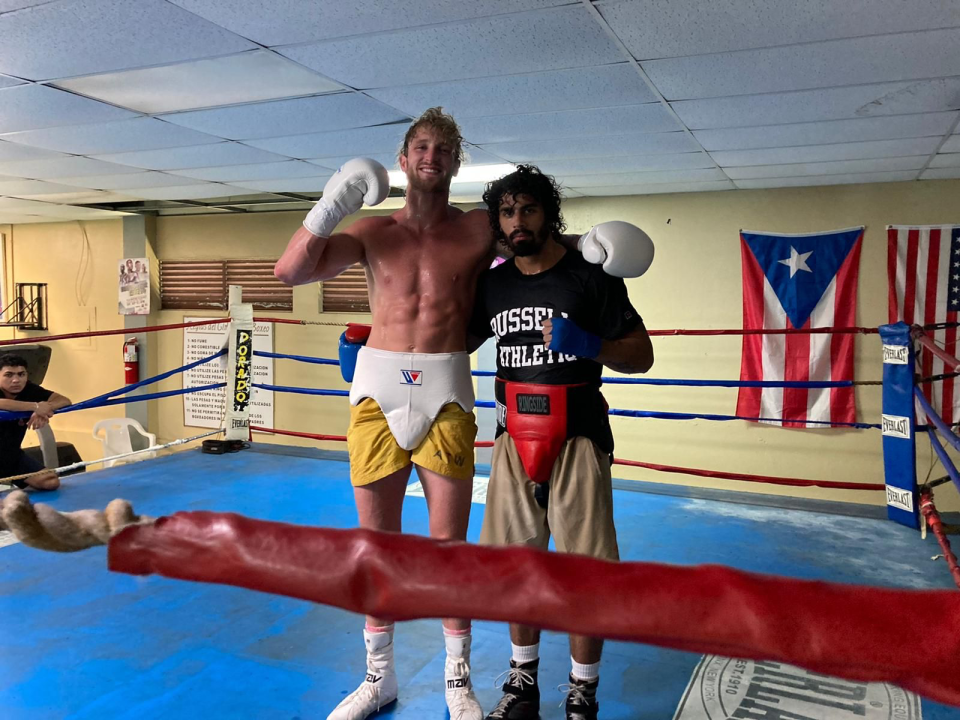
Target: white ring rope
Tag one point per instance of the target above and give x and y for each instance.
(85, 463)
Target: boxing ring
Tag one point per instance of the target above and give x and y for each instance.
(83, 642)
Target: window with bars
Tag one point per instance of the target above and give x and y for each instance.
(202, 284)
(346, 293)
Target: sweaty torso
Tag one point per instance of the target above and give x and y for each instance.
(422, 281)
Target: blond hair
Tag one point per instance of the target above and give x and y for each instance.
(443, 125)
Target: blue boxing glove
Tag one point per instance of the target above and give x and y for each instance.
(348, 356)
(569, 339)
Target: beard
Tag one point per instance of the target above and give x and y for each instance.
(438, 184)
(527, 246)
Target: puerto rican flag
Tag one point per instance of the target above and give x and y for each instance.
(923, 274)
(799, 282)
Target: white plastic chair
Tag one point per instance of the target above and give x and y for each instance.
(48, 446)
(123, 435)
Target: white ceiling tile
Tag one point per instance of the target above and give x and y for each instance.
(212, 155)
(587, 146)
(817, 65)
(831, 131)
(642, 178)
(123, 135)
(311, 185)
(260, 171)
(388, 160)
(952, 144)
(23, 186)
(941, 173)
(550, 39)
(289, 117)
(187, 192)
(672, 28)
(53, 210)
(81, 197)
(25, 206)
(474, 156)
(946, 160)
(652, 117)
(11, 151)
(568, 193)
(6, 81)
(29, 107)
(368, 141)
(587, 87)
(70, 165)
(126, 180)
(81, 37)
(818, 180)
(249, 77)
(922, 96)
(295, 21)
(654, 188)
(625, 163)
(836, 167)
(823, 153)
(8, 217)
(11, 5)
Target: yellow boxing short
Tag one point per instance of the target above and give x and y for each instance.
(374, 452)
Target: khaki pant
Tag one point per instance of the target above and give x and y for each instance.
(579, 513)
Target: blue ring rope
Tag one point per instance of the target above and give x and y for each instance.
(944, 458)
(301, 358)
(626, 413)
(813, 384)
(938, 422)
(101, 400)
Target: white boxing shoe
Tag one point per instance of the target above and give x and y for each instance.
(377, 690)
(461, 700)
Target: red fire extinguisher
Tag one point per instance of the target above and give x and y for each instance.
(131, 363)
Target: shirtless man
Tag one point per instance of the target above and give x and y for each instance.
(412, 394)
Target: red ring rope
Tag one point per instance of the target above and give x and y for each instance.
(100, 333)
(848, 631)
(794, 482)
(929, 511)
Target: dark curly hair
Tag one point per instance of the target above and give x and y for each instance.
(12, 360)
(525, 180)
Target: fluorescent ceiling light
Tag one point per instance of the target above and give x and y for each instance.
(467, 174)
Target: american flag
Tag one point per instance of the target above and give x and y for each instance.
(923, 272)
(799, 282)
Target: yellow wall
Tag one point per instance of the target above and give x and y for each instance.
(78, 261)
(258, 236)
(694, 283)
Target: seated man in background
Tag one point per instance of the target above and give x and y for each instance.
(21, 395)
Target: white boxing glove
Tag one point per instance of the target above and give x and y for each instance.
(625, 250)
(358, 181)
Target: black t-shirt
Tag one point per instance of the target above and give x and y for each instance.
(512, 307)
(12, 431)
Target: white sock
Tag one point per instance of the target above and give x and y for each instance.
(377, 638)
(525, 653)
(588, 673)
(457, 642)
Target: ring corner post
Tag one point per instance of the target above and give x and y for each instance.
(239, 367)
(898, 425)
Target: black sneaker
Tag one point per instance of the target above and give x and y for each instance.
(521, 694)
(581, 703)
